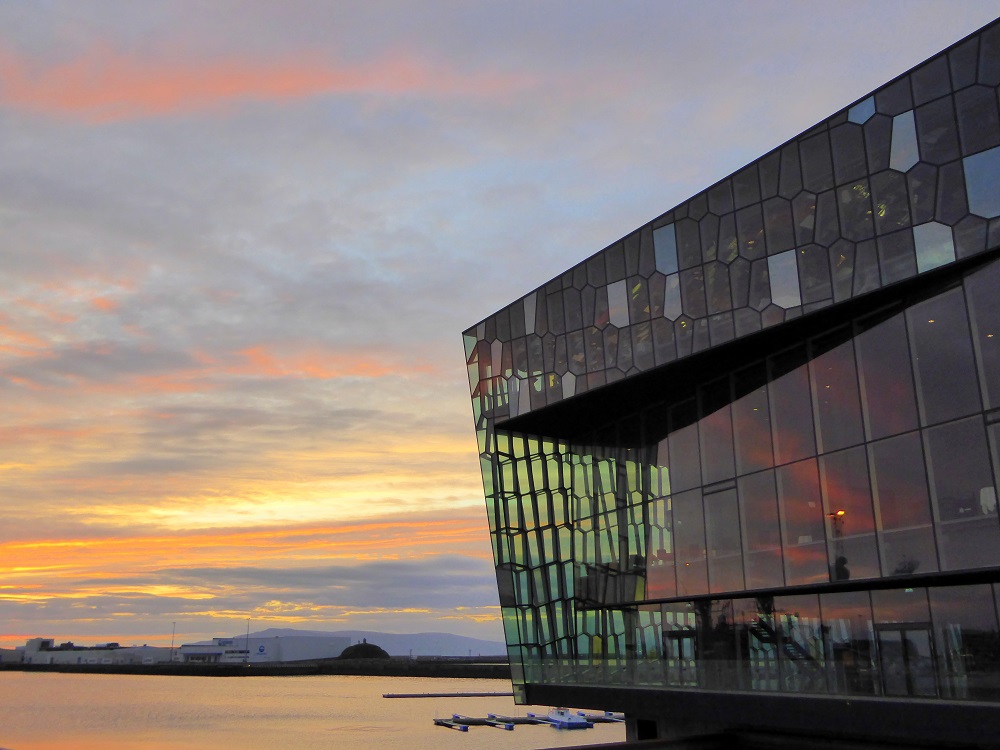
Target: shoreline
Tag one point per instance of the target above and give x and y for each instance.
(393, 667)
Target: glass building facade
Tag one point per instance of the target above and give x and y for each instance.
(753, 448)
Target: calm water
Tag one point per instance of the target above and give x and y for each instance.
(109, 712)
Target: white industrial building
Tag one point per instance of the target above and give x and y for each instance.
(45, 651)
(257, 650)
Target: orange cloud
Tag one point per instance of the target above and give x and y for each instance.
(104, 85)
(104, 304)
(321, 365)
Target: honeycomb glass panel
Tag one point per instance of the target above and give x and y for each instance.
(981, 183)
(903, 153)
(618, 304)
(934, 244)
(861, 112)
(784, 276)
(665, 249)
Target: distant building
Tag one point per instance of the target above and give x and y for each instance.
(741, 466)
(46, 651)
(257, 650)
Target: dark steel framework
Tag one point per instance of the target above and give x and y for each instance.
(751, 451)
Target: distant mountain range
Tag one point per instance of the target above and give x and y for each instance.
(399, 644)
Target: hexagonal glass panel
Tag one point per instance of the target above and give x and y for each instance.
(665, 249)
(618, 304)
(529, 314)
(903, 153)
(934, 245)
(784, 275)
(982, 182)
(862, 111)
(672, 307)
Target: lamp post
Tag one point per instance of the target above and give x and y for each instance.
(248, 642)
(840, 571)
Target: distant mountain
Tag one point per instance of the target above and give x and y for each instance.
(400, 644)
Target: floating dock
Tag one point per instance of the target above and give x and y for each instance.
(499, 721)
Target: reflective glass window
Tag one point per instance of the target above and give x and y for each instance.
(618, 304)
(905, 642)
(835, 396)
(943, 363)
(752, 421)
(784, 276)
(680, 636)
(722, 532)
(689, 538)
(791, 407)
(861, 112)
(716, 643)
(803, 653)
(984, 314)
(981, 182)
(758, 667)
(660, 581)
(761, 531)
(934, 245)
(851, 663)
(672, 307)
(899, 484)
(802, 527)
(887, 390)
(685, 462)
(966, 641)
(715, 432)
(903, 153)
(964, 495)
(665, 249)
(850, 522)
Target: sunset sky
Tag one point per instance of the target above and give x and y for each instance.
(239, 242)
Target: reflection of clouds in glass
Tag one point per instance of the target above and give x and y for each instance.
(982, 184)
(784, 275)
(665, 245)
(934, 245)
(861, 112)
(903, 153)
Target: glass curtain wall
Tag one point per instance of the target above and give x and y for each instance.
(869, 452)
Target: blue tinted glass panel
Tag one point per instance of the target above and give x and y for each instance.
(784, 275)
(982, 182)
(665, 249)
(903, 153)
(934, 245)
(861, 112)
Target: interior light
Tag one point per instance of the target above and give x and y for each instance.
(931, 320)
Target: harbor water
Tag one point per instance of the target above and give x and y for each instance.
(49, 711)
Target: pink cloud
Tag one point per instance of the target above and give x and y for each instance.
(320, 364)
(104, 85)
